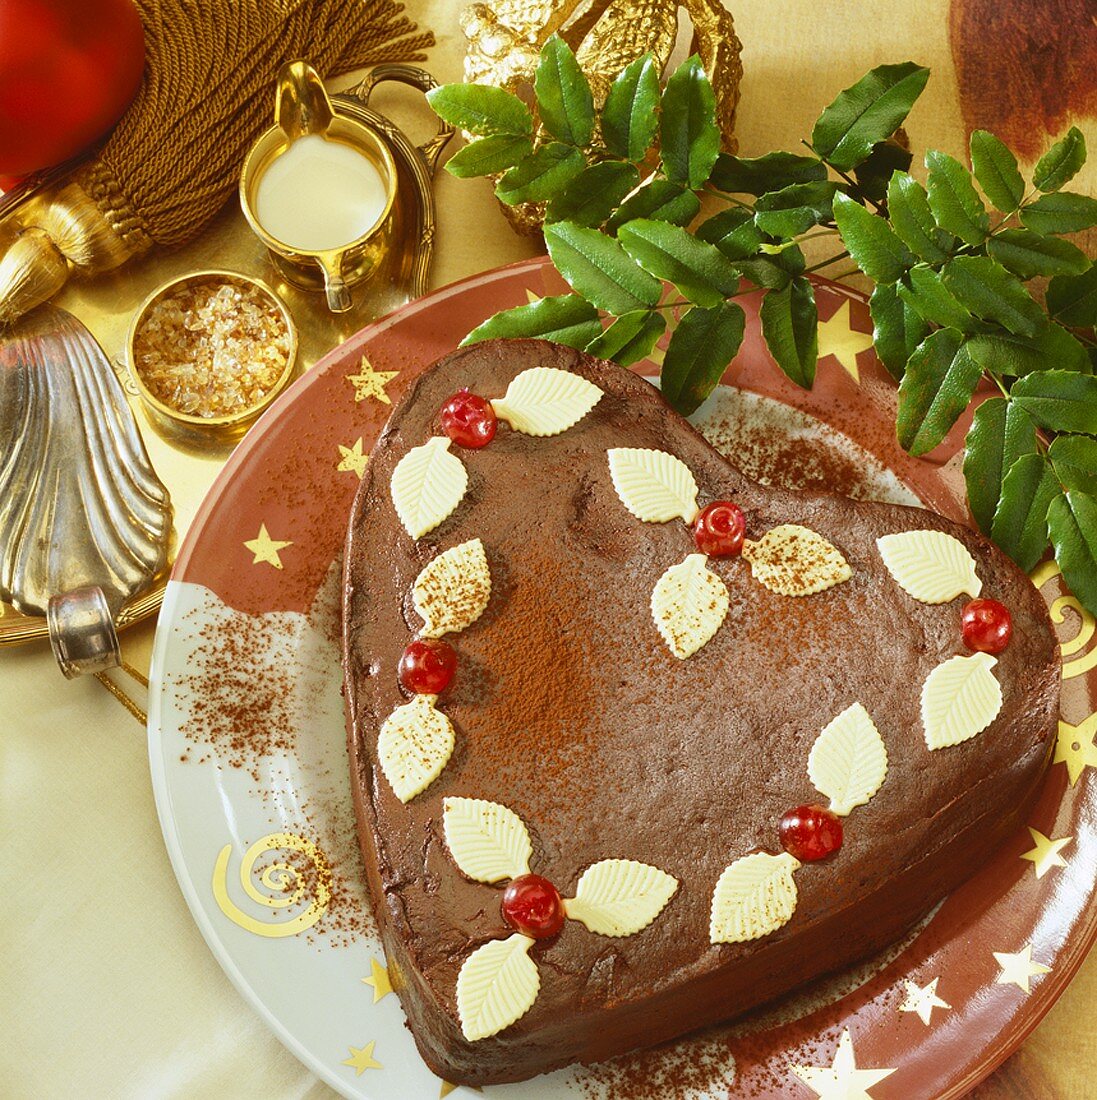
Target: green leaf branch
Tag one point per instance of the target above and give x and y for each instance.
(622, 189)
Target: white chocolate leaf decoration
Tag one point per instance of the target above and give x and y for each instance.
(427, 484)
(620, 897)
(688, 604)
(848, 762)
(497, 985)
(795, 561)
(755, 896)
(452, 591)
(546, 401)
(488, 842)
(653, 485)
(929, 565)
(960, 698)
(414, 745)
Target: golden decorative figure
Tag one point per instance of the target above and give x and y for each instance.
(266, 549)
(362, 1059)
(379, 980)
(505, 39)
(371, 383)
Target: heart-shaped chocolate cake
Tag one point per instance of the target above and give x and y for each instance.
(638, 744)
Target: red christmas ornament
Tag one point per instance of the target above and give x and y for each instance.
(532, 906)
(427, 666)
(987, 625)
(469, 420)
(811, 832)
(719, 528)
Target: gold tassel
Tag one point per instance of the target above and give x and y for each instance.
(175, 156)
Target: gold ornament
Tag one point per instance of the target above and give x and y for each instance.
(505, 40)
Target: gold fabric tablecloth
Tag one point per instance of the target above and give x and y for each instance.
(106, 987)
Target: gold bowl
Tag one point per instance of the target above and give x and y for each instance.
(189, 426)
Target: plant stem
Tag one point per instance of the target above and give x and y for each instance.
(998, 382)
(816, 235)
(849, 179)
(727, 198)
(827, 263)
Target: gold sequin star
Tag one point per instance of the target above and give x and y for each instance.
(379, 979)
(1018, 968)
(351, 459)
(923, 1000)
(265, 548)
(1046, 853)
(1075, 747)
(839, 338)
(362, 1059)
(841, 1080)
(371, 383)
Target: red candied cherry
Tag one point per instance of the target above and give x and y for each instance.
(469, 420)
(987, 625)
(811, 832)
(719, 528)
(427, 666)
(532, 906)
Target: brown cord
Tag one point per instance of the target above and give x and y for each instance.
(210, 71)
(122, 697)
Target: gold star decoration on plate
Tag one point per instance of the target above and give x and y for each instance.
(362, 1059)
(266, 549)
(1075, 747)
(449, 1086)
(841, 1080)
(1018, 968)
(371, 383)
(923, 1000)
(1046, 853)
(839, 338)
(379, 979)
(352, 460)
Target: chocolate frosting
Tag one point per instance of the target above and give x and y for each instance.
(570, 710)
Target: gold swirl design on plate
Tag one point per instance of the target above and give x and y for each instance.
(287, 884)
(1087, 626)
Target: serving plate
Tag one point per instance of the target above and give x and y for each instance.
(246, 746)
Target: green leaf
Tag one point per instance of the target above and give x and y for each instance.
(1072, 299)
(1060, 164)
(995, 168)
(953, 199)
(630, 116)
(590, 198)
(480, 109)
(790, 325)
(873, 173)
(700, 349)
(542, 175)
(795, 209)
(759, 175)
(875, 249)
(566, 319)
(488, 155)
(938, 385)
(867, 112)
(1020, 520)
(630, 338)
(897, 328)
(1072, 519)
(986, 289)
(1027, 254)
(1074, 459)
(599, 269)
(1061, 400)
(912, 219)
(1000, 433)
(689, 136)
(1006, 354)
(697, 269)
(923, 289)
(564, 99)
(733, 232)
(1062, 212)
(660, 201)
